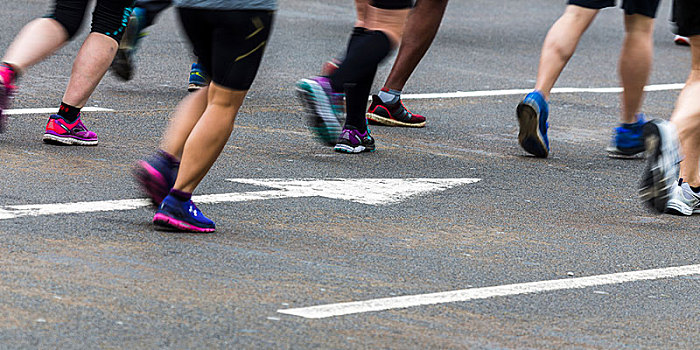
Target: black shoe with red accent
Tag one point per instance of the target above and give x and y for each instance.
(395, 114)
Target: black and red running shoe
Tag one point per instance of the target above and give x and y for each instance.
(395, 114)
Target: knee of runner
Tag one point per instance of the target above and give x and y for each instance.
(71, 25)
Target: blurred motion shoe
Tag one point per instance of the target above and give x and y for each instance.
(324, 108)
(662, 166)
(123, 63)
(156, 175)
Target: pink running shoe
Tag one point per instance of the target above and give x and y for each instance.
(7, 89)
(58, 130)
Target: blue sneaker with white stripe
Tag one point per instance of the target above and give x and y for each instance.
(532, 114)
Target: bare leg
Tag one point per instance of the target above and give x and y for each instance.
(421, 26)
(209, 136)
(37, 40)
(89, 67)
(635, 63)
(686, 119)
(560, 44)
(183, 121)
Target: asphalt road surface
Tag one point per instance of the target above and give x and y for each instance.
(572, 258)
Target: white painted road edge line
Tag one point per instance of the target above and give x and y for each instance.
(462, 94)
(51, 110)
(457, 94)
(331, 310)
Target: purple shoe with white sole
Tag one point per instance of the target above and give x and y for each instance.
(60, 131)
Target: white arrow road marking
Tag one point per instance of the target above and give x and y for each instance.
(331, 310)
(366, 191)
(51, 110)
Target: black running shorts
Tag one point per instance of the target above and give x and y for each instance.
(632, 7)
(392, 4)
(686, 14)
(109, 17)
(228, 43)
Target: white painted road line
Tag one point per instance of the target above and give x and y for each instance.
(462, 94)
(457, 94)
(365, 191)
(51, 110)
(331, 310)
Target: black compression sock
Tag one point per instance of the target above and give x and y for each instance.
(68, 112)
(365, 52)
(356, 103)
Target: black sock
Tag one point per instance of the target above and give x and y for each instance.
(695, 189)
(181, 195)
(356, 73)
(68, 112)
(356, 103)
(365, 52)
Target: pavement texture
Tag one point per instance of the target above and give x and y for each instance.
(111, 280)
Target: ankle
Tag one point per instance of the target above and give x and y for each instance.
(68, 112)
(181, 195)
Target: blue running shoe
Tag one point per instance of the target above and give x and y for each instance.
(182, 216)
(532, 115)
(156, 175)
(198, 78)
(352, 140)
(324, 108)
(628, 140)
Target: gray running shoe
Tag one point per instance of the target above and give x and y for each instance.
(684, 201)
(662, 169)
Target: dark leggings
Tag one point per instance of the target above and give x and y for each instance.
(109, 17)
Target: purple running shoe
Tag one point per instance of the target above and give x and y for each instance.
(353, 141)
(60, 131)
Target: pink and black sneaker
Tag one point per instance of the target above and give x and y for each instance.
(7, 89)
(60, 131)
(156, 175)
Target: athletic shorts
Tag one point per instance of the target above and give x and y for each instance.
(229, 43)
(109, 17)
(686, 14)
(632, 7)
(392, 4)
